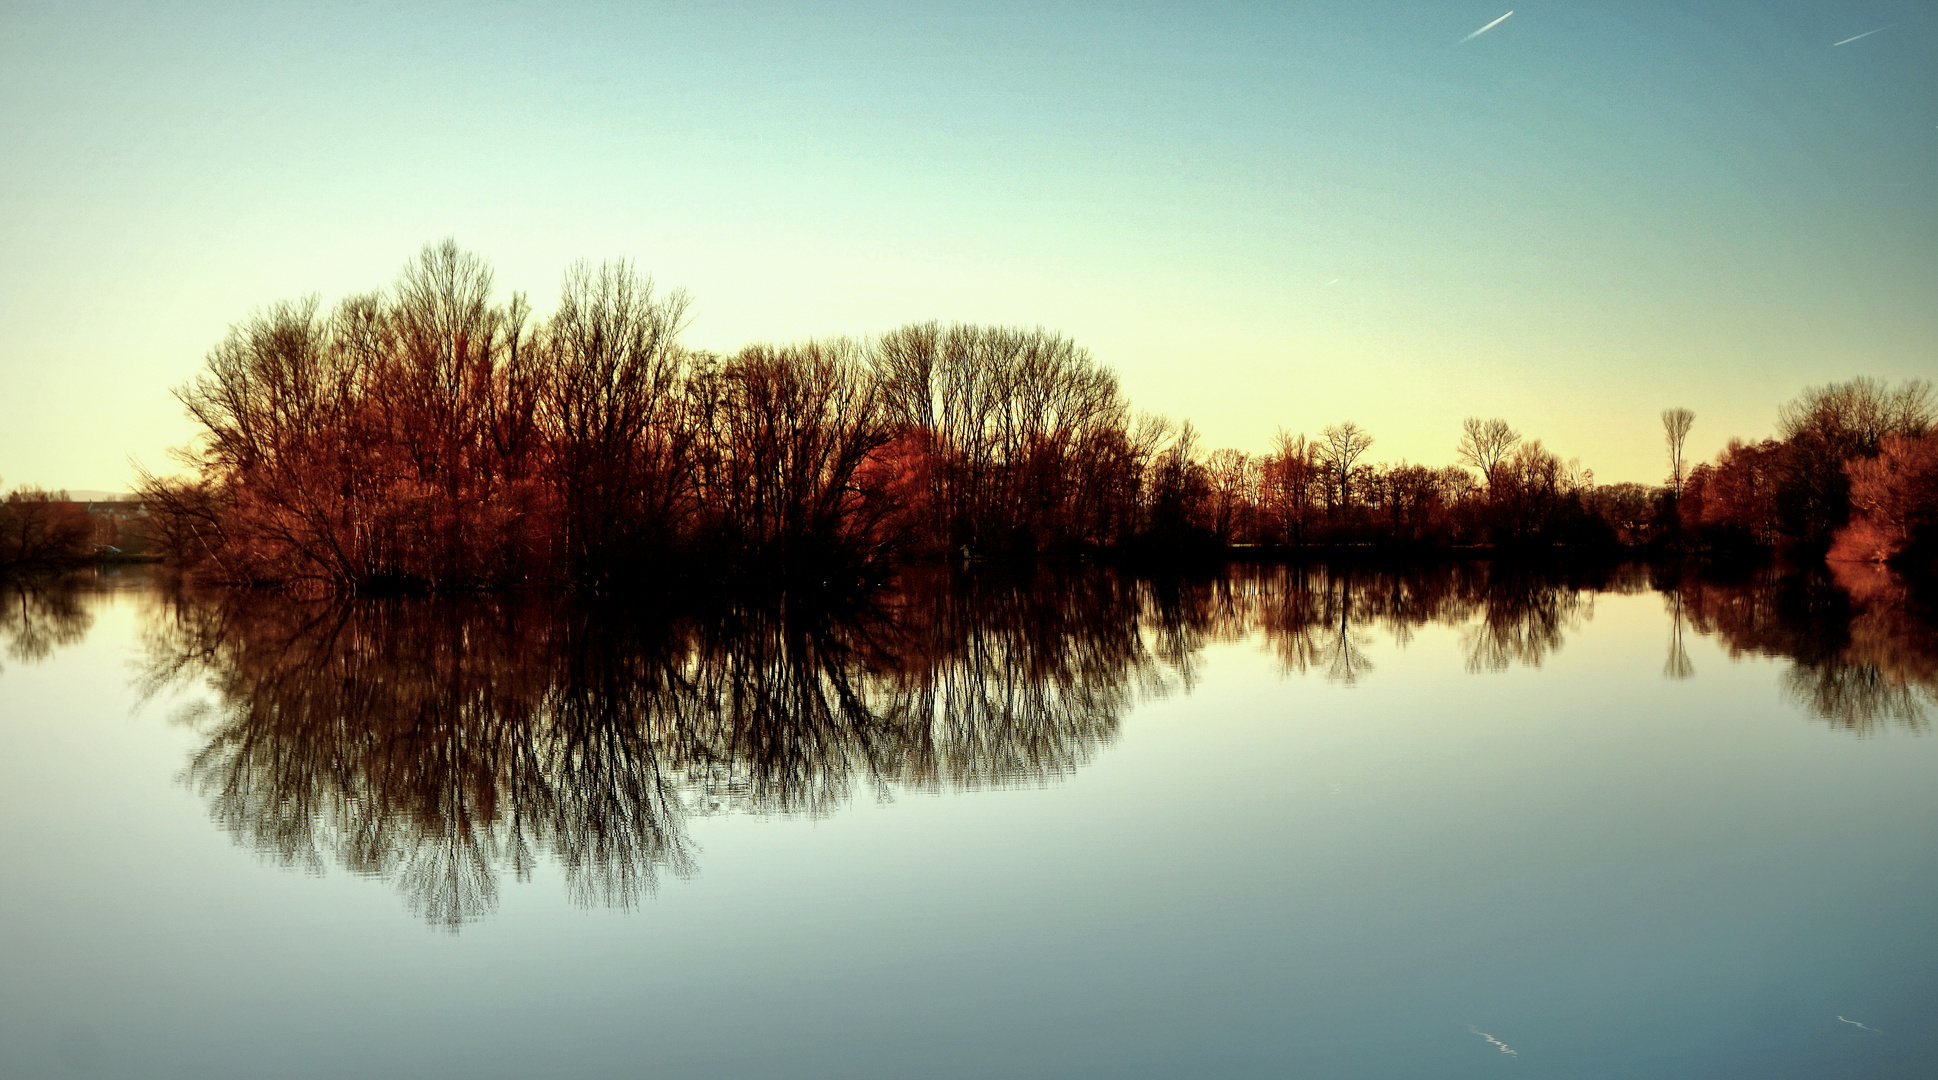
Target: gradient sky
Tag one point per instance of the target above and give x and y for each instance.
(1262, 215)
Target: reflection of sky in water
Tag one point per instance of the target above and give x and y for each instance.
(1258, 872)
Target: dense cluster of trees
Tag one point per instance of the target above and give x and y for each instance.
(41, 530)
(1508, 491)
(1853, 471)
(427, 436)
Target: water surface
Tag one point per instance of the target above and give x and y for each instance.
(1465, 821)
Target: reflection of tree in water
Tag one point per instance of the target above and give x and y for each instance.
(1343, 646)
(1292, 609)
(37, 617)
(1678, 665)
(1322, 618)
(1523, 619)
(1863, 651)
(430, 743)
(440, 743)
(1023, 680)
(1861, 698)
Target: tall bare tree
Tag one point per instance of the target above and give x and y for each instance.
(1234, 481)
(1339, 447)
(614, 410)
(1291, 474)
(1484, 444)
(1018, 422)
(1675, 429)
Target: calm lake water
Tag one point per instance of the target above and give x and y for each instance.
(1462, 822)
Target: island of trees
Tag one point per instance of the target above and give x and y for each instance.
(428, 436)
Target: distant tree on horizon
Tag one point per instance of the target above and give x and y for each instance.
(1340, 446)
(1675, 428)
(1484, 444)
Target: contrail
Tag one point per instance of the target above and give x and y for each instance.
(1503, 19)
(1505, 1049)
(1833, 44)
(1854, 1023)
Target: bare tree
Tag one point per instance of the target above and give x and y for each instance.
(1290, 475)
(1340, 446)
(42, 529)
(1675, 427)
(613, 410)
(1234, 476)
(1825, 428)
(1855, 416)
(1177, 487)
(788, 431)
(1017, 423)
(1485, 444)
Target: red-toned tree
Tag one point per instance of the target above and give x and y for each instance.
(788, 437)
(1291, 482)
(1894, 504)
(42, 530)
(1824, 428)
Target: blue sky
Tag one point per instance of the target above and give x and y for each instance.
(1262, 215)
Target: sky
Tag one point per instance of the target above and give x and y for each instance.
(1262, 216)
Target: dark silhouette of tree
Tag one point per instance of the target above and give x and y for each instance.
(1411, 500)
(1484, 444)
(1828, 426)
(1630, 511)
(430, 437)
(375, 445)
(615, 410)
(43, 531)
(1292, 488)
(1538, 498)
(1795, 491)
(1340, 446)
(1233, 477)
(1027, 436)
(787, 435)
(1675, 431)
(1177, 492)
(1735, 500)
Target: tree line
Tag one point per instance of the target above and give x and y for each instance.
(429, 436)
(1853, 472)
